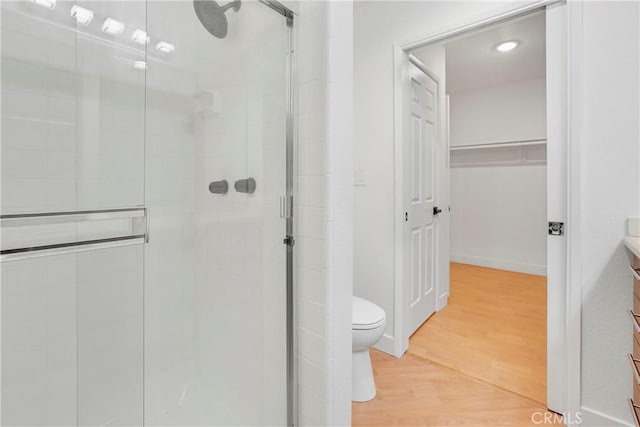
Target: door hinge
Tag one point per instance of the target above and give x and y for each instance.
(556, 228)
(289, 241)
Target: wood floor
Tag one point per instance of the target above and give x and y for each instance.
(493, 329)
(481, 361)
(415, 392)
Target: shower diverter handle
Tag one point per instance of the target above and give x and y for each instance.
(247, 185)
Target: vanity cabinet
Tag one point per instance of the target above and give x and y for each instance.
(633, 244)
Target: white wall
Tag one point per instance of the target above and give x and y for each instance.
(324, 248)
(499, 213)
(509, 112)
(499, 217)
(610, 181)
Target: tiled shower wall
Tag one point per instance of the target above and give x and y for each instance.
(324, 250)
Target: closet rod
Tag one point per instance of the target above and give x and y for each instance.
(521, 143)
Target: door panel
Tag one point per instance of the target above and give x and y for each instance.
(416, 157)
(428, 159)
(420, 193)
(417, 246)
(215, 277)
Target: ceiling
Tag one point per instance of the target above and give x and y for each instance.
(472, 62)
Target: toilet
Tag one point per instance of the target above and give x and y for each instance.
(367, 327)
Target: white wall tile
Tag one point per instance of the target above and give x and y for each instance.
(311, 253)
(311, 191)
(313, 407)
(311, 222)
(110, 336)
(24, 104)
(312, 315)
(312, 96)
(322, 169)
(24, 134)
(39, 341)
(313, 377)
(61, 109)
(311, 159)
(312, 285)
(312, 128)
(313, 348)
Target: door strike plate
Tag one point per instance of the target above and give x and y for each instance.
(556, 228)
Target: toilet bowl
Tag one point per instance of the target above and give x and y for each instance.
(367, 327)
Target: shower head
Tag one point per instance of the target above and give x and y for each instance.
(212, 15)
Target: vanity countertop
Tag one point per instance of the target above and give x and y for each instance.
(633, 244)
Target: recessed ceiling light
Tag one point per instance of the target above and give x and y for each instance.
(111, 26)
(83, 16)
(507, 46)
(165, 47)
(49, 4)
(140, 65)
(140, 37)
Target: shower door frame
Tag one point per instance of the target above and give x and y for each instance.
(289, 240)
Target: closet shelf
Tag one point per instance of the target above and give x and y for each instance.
(505, 144)
(508, 153)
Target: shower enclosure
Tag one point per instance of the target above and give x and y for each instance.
(146, 202)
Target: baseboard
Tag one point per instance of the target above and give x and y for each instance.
(386, 345)
(442, 302)
(591, 417)
(540, 270)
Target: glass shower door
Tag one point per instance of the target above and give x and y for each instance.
(73, 217)
(145, 164)
(215, 268)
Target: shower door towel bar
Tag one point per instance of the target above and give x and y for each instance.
(140, 231)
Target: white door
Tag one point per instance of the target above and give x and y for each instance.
(420, 185)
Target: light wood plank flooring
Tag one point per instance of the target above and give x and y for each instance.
(494, 329)
(481, 361)
(415, 392)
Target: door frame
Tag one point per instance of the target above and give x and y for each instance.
(563, 354)
(287, 213)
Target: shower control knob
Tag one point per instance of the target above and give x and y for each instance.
(219, 187)
(245, 185)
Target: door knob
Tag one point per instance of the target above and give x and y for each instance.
(436, 210)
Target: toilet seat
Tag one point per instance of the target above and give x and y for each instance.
(366, 315)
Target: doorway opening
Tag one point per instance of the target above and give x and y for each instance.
(493, 118)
